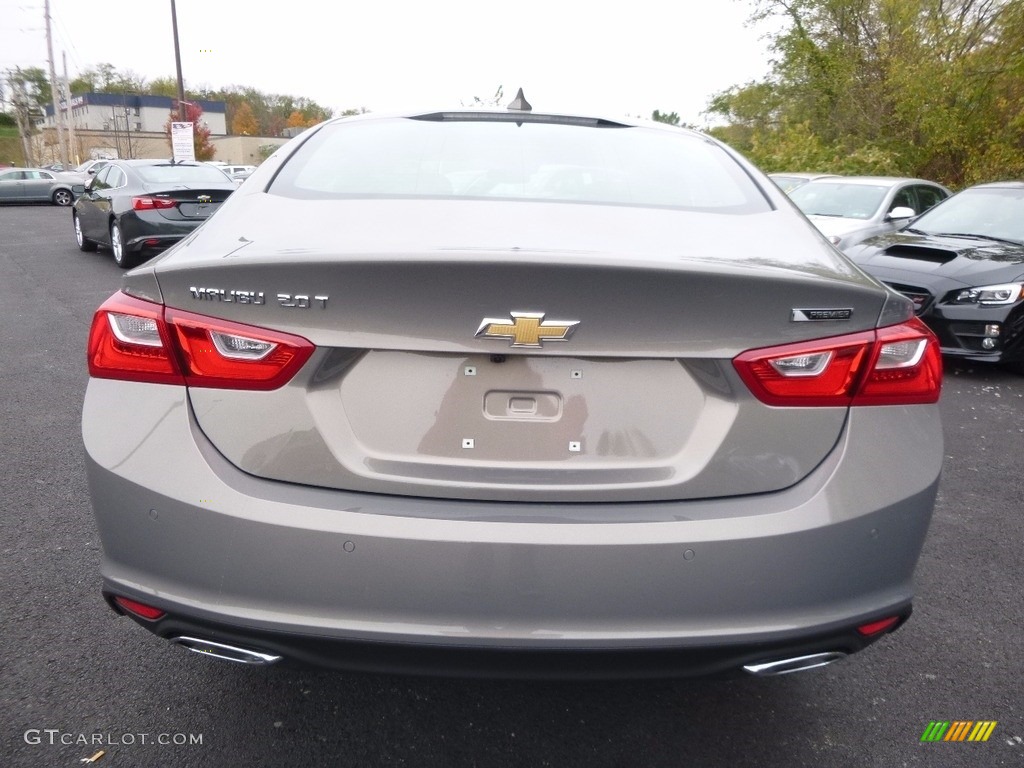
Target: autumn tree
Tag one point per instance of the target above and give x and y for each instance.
(296, 120)
(244, 122)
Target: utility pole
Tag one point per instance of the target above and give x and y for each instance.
(117, 132)
(57, 117)
(182, 113)
(127, 129)
(71, 114)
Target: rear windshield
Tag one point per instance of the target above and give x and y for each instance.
(530, 160)
(181, 174)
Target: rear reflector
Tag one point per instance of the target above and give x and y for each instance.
(143, 611)
(136, 340)
(878, 627)
(896, 365)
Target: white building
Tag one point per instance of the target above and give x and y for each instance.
(133, 113)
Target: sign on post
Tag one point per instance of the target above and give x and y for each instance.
(182, 143)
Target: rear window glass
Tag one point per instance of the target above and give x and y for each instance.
(181, 174)
(484, 158)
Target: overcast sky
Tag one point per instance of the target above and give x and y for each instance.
(630, 58)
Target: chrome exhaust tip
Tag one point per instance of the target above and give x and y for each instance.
(225, 652)
(793, 664)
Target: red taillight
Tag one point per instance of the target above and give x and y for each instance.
(136, 340)
(906, 367)
(141, 610)
(149, 203)
(217, 353)
(129, 340)
(898, 364)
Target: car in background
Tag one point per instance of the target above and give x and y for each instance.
(238, 172)
(789, 181)
(850, 209)
(38, 185)
(962, 264)
(139, 207)
(92, 167)
(497, 391)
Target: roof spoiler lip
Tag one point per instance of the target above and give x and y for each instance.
(494, 116)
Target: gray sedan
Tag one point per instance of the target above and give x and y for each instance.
(499, 391)
(38, 185)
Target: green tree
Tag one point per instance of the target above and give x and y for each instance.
(163, 86)
(34, 84)
(670, 118)
(921, 87)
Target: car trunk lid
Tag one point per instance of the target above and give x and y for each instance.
(445, 371)
(190, 202)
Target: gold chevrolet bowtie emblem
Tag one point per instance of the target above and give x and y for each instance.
(527, 329)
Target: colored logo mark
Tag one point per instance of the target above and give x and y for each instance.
(958, 730)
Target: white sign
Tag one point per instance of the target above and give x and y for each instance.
(181, 142)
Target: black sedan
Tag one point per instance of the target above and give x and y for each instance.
(139, 207)
(962, 264)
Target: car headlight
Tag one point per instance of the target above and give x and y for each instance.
(1006, 293)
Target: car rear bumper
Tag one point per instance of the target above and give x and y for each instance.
(768, 654)
(148, 231)
(383, 582)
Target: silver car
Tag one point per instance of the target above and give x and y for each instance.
(39, 185)
(850, 209)
(495, 392)
(789, 181)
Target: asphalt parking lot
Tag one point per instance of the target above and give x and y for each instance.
(77, 680)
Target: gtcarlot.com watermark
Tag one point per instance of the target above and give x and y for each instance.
(55, 736)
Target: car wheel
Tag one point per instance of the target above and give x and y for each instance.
(62, 197)
(84, 244)
(122, 257)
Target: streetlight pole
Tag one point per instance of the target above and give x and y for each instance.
(182, 114)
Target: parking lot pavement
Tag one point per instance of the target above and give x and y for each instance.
(77, 680)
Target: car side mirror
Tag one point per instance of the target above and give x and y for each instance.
(901, 212)
(88, 183)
